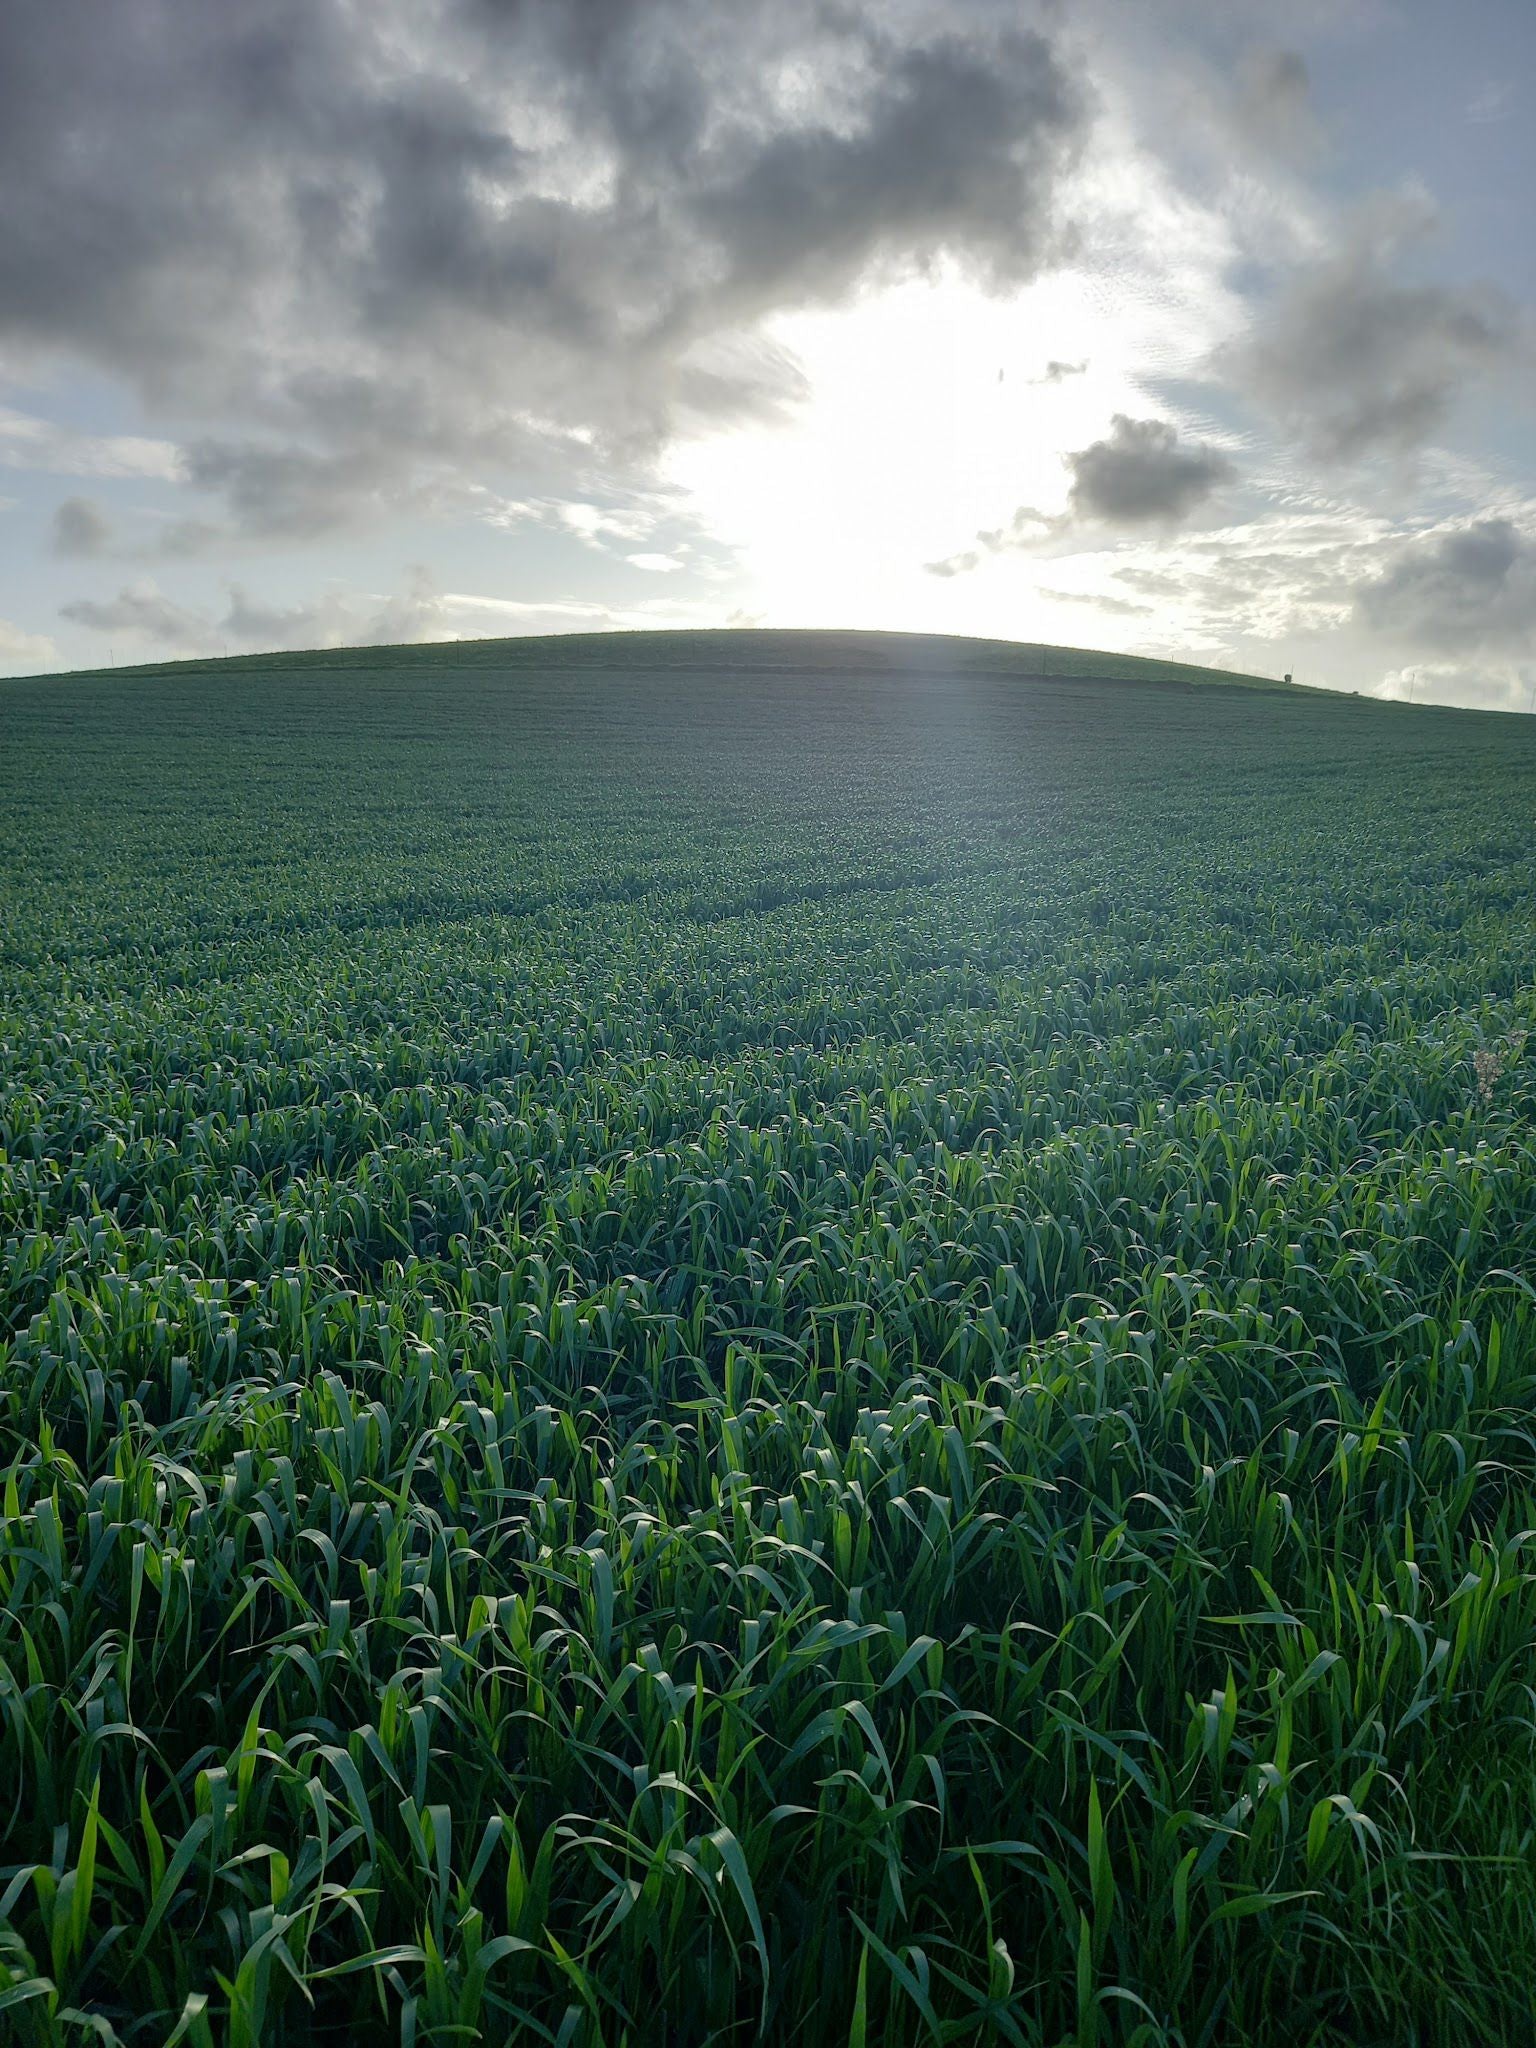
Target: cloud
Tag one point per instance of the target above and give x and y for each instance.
(23, 653)
(1144, 475)
(343, 619)
(1023, 528)
(291, 490)
(27, 442)
(1496, 685)
(958, 142)
(1057, 373)
(1272, 103)
(959, 564)
(82, 532)
(371, 247)
(1272, 578)
(626, 517)
(1495, 101)
(1102, 601)
(473, 611)
(80, 529)
(142, 610)
(180, 538)
(338, 617)
(1473, 587)
(334, 618)
(1360, 361)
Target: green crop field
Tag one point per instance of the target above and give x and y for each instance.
(788, 1338)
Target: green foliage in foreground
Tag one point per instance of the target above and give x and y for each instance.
(755, 1355)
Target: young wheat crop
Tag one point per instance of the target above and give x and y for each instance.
(802, 1352)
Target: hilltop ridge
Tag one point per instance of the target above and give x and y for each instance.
(750, 648)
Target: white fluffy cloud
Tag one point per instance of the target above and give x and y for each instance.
(23, 653)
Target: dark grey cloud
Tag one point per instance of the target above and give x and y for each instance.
(1057, 372)
(366, 244)
(1460, 591)
(81, 529)
(1143, 474)
(956, 148)
(1361, 360)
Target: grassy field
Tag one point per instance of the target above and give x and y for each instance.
(783, 1338)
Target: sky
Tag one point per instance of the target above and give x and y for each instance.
(1197, 328)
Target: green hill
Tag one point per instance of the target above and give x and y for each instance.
(742, 649)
